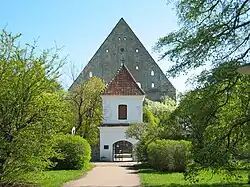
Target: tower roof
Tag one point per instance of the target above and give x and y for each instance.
(123, 84)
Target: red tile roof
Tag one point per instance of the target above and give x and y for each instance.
(123, 84)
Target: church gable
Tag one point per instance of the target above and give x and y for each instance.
(123, 84)
(123, 47)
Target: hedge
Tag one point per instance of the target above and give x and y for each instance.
(169, 155)
(75, 152)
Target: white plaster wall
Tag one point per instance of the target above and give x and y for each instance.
(134, 108)
(109, 136)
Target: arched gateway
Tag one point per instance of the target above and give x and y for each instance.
(122, 151)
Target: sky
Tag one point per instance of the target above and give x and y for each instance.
(80, 27)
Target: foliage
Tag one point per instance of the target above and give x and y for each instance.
(167, 126)
(169, 155)
(167, 105)
(211, 33)
(217, 116)
(141, 153)
(32, 107)
(214, 34)
(75, 152)
(87, 107)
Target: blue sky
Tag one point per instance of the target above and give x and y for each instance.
(80, 26)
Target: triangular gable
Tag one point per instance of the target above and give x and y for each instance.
(122, 46)
(123, 84)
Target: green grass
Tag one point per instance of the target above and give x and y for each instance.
(55, 178)
(151, 178)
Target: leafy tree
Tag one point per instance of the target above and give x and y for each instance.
(158, 108)
(217, 115)
(212, 32)
(32, 107)
(87, 107)
(168, 128)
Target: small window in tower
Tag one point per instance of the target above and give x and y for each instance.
(119, 38)
(152, 73)
(124, 38)
(122, 49)
(90, 74)
(136, 50)
(153, 85)
(122, 112)
(106, 146)
(107, 50)
(136, 67)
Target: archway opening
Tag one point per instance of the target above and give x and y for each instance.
(122, 151)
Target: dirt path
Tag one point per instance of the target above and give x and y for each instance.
(109, 174)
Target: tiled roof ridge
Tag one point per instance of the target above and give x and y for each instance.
(117, 72)
(133, 79)
(123, 70)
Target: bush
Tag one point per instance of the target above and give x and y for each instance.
(141, 152)
(169, 155)
(75, 152)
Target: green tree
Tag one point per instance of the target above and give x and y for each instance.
(217, 117)
(214, 34)
(32, 107)
(211, 32)
(87, 107)
(167, 126)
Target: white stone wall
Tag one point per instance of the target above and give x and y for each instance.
(134, 108)
(109, 136)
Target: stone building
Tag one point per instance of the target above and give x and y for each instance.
(123, 47)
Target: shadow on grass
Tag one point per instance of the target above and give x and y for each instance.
(202, 185)
(3, 184)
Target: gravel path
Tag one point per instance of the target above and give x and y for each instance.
(116, 174)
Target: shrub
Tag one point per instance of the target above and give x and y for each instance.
(169, 155)
(141, 152)
(75, 152)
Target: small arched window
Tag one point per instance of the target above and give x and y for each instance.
(90, 74)
(122, 112)
(153, 85)
(152, 73)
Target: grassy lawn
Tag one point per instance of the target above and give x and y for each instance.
(55, 178)
(151, 178)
